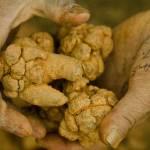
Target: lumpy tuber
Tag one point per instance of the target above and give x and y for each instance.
(88, 43)
(30, 66)
(87, 104)
(86, 109)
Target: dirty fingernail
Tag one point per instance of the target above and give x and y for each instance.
(114, 138)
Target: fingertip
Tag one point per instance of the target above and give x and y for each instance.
(38, 129)
(52, 142)
(16, 123)
(55, 142)
(23, 130)
(80, 18)
(112, 137)
(75, 15)
(114, 127)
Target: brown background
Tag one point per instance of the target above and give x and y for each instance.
(112, 12)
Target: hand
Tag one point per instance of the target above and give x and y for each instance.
(129, 63)
(15, 12)
(53, 142)
(16, 123)
(12, 14)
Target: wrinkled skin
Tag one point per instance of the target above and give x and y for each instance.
(130, 66)
(20, 11)
(58, 11)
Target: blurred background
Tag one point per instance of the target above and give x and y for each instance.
(111, 13)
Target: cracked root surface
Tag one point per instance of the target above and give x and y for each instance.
(29, 65)
(86, 109)
(88, 43)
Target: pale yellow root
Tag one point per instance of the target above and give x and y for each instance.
(43, 95)
(64, 67)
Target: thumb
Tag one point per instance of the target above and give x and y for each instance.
(127, 112)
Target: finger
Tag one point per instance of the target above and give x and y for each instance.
(13, 121)
(127, 112)
(135, 105)
(43, 95)
(75, 15)
(53, 142)
(38, 128)
(62, 11)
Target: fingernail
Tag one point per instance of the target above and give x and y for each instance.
(113, 138)
(78, 9)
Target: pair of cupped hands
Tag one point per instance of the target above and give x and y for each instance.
(128, 66)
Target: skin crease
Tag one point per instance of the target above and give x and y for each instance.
(12, 14)
(129, 62)
(132, 64)
(129, 38)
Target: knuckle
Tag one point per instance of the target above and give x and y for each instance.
(131, 121)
